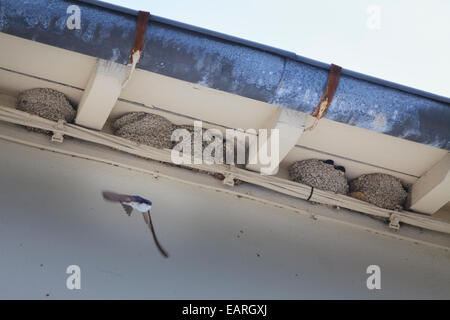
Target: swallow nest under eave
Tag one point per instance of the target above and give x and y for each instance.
(46, 103)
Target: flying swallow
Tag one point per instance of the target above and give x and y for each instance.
(129, 203)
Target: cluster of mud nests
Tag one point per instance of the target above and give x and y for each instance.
(156, 131)
(210, 154)
(46, 103)
(380, 189)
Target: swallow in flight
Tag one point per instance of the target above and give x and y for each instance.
(130, 202)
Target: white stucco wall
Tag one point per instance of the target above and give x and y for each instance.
(52, 215)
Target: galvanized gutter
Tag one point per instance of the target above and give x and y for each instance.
(234, 65)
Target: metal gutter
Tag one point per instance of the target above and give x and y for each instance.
(269, 49)
(234, 65)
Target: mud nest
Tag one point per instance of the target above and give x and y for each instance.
(380, 189)
(46, 103)
(218, 176)
(318, 174)
(146, 128)
(211, 156)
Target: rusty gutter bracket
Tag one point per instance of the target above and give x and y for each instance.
(327, 95)
(138, 44)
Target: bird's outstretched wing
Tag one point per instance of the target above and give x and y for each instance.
(128, 209)
(148, 221)
(117, 197)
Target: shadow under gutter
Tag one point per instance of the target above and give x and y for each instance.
(233, 65)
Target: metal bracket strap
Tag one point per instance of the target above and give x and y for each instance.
(58, 136)
(394, 221)
(328, 94)
(229, 179)
(141, 27)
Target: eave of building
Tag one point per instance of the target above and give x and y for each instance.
(236, 66)
(182, 100)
